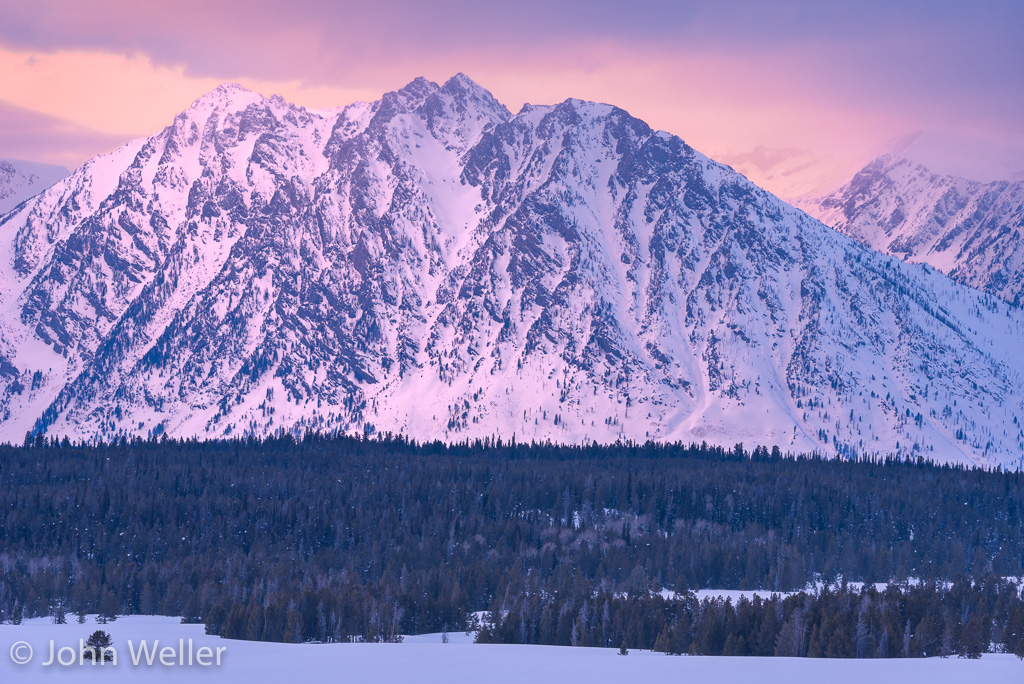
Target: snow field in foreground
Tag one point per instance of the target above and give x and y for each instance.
(424, 658)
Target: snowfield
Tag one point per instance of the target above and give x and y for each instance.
(424, 658)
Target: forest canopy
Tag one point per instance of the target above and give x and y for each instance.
(332, 538)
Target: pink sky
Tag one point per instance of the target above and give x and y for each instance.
(833, 78)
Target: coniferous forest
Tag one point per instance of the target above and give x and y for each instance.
(337, 538)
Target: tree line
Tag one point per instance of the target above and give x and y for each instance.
(330, 538)
(965, 618)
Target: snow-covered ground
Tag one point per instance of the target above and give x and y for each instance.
(734, 595)
(425, 658)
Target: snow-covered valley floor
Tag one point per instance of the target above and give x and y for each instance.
(424, 658)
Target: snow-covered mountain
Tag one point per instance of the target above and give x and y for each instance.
(960, 212)
(432, 264)
(21, 179)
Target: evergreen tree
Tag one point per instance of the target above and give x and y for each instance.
(215, 619)
(971, 639)
(108, 608)
(98, 647)
(661, 644)
(948, 644)
(1015, 632)
(59, 612)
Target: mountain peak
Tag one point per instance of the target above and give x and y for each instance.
(460, 83)
(461, 79)
(231, 87)
(462, 87)
(418, 88)
(587, 107)
(408, 97)
(980, 156)
(231, 96)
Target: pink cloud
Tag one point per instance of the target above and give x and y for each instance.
(724, 76)
(25, 134)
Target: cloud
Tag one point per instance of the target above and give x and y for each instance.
(723, 75)
(127, 94)
(25, 134)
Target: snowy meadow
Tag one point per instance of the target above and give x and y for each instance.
(426, 658)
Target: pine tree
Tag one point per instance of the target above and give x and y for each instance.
(928, 636)
(60, 616)
(293, 626)
(108, 608)
(254, 622)
(816, 645)
(1015, 632)
(148, 602)
(883, 644)
(948, 645)
(99, 646)
(863, 639)
(792, 637)
(661, 643)
(970, 639)
(623, 650)
(215, 619)
(734, 646)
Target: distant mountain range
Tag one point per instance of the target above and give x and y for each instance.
(20, 180)
(967, 228)
(955, 202)
(434, 265)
